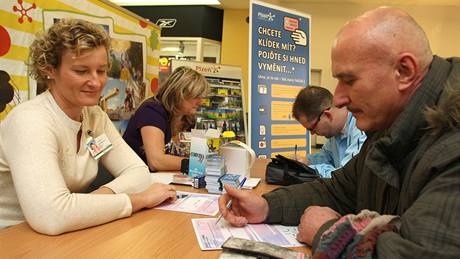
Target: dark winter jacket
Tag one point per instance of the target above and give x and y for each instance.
(411, 169)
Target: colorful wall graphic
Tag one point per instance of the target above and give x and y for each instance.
(135, 45)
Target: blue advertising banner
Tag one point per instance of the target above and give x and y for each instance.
(279, 68)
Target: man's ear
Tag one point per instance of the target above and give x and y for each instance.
(407, 70)
(328, 114)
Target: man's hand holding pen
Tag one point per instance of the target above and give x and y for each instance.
(247, 207)
(229, 202)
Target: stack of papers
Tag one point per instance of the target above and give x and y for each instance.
(215, 168)
(167, 178)
(182, 180)
(211, 236)
(170, 178)
(162, 177)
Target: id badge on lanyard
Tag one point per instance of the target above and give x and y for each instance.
(98, 146)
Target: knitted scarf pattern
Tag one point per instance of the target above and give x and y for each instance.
(355, 236)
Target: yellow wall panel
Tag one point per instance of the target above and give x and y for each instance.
(282, 111)
(288, 129)
(285, 91)
(289, 143)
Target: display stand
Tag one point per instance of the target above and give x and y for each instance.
(223, 107)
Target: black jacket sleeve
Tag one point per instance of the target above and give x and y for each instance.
(287, 204)
(430, 226)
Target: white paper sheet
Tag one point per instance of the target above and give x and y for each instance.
(160, 177)
(251, 183)
(211, 236)
(168, 178)
(197, 203)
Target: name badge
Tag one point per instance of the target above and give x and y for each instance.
(98, 146)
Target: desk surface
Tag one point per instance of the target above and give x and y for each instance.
(147, 234)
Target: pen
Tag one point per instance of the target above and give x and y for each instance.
(295, 152)
(229, 203)
(180, 196)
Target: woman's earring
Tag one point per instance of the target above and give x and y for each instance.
(48, 77)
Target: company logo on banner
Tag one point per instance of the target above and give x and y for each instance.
(166, 23)
(266, 16)
(213, 69)
(279, 69)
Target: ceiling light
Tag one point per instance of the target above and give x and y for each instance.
(165, 2)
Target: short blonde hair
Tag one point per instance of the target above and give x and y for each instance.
(67, 34)
(183, 84)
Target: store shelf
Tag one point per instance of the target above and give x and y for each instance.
(226, 86)
(222, 108)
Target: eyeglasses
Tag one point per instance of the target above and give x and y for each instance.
(314, 125)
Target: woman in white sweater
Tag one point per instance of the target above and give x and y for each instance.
(45, 158)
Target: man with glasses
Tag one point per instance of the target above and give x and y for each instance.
(314, 110)
(399, 197)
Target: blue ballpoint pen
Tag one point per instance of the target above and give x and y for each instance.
(229, 203)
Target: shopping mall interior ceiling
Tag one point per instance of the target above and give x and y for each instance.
(244, 4)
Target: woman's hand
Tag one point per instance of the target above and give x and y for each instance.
(156, 194)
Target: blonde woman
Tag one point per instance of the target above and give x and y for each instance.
(162, 117)
(45, 158)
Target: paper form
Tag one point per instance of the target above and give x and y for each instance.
(211, 236)
(197, 203)
(162, 177)
(251, 183)
(170, 178)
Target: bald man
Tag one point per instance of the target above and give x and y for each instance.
(400, 196)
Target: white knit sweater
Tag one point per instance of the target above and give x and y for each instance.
(42, 175)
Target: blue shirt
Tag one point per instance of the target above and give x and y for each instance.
(338, 150)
